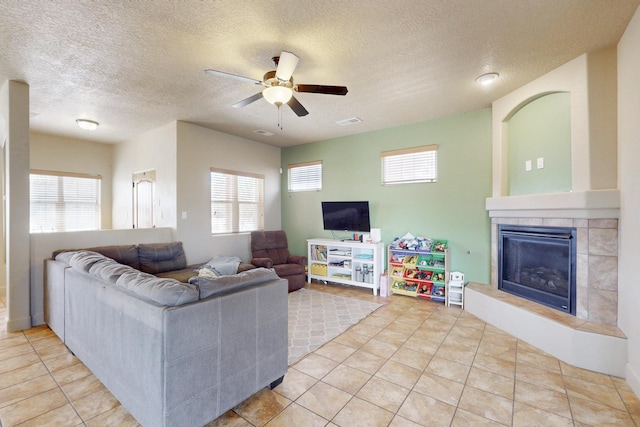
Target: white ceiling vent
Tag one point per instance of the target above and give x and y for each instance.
(263, 132)
(351, 121)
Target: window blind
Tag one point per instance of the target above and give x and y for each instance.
(237, 201)
(305, 176)
(411, 165)
(64, 202)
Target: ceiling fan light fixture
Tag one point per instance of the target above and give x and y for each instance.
(87, 124)
(277, 95)
(487, 79)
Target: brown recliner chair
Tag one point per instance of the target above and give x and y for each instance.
(269, 249)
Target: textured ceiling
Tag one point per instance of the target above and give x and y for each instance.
(135, 66)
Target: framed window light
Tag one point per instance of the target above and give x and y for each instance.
(237, 201)
(304, 176)
(63, 201)
(410, 165)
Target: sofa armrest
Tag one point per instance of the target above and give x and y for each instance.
(262, 262)
(297, 259)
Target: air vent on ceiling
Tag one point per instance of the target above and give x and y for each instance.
(263, 132)
(351, 121)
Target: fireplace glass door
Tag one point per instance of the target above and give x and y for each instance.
(538, 263)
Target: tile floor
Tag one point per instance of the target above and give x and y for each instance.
(410, 363)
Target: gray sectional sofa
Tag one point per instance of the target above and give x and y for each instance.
(173, 353)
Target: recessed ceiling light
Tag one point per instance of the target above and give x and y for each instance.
(487, 79)
(87, 124)
(350, 121)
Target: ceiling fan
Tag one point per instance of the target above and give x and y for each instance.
(279, 87)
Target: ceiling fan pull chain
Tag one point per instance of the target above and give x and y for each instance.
(280, 117)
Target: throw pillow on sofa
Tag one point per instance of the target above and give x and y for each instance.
(160, 257)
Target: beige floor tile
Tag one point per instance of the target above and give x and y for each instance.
(464, 418)
(502, 351)
(540, 361)
(116, 417)
(360, 412)
(426, 410)
(498, 337)
(229, 419)
(315, 366)
(383, 393)
(488, 381)
(456, 353)
(71, 373)
(403, 328)
(399, 421)
(352, 339)
(53, 351)
(39, 332)
(295, 383)
(439, 388)
(10, 340)
(595, 414)
(380, 348)
(398, 373)
(448, 369)
(528, 416)
(61, 362)
(487, 405)
(412, 358)
(540, 377)
(366, 330)
(421, 345)
(76, 390)
(62, 416)
(24, 390)
(392, 337)
(584, 374)
(260, 408)
(32, 407)
(335, 351)
(346, 378)
(492, 364)
(296, 415)
(45, 342)
(324, 400)
(95, 404)
(19, 375)
(18, 362)
(365, 361)
(597, 393)
(543, 398)
(16, 350)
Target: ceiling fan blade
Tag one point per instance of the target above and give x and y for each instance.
(286, 64)
(248, 100)
(297, 107)
(233, 76)
(329, 90)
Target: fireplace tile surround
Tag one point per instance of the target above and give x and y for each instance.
(596, 262)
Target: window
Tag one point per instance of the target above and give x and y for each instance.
(410, 166)
(237, 201)
(305, 176)
(64, 202)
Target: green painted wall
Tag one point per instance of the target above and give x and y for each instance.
(542, 128)
(452, 209)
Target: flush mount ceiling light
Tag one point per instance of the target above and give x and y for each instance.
(487, 79)
(277, 95)
(87, 124)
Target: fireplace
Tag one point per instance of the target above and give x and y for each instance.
(539, 264)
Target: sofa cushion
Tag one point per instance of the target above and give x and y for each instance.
(161, 290)
(124, 254)
(81, 260)
(216, 286)
(160, 257)
(109, 270)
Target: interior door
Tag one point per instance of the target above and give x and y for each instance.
(143, 195)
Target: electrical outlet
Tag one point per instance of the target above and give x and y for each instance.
(540, 162)
(527, 165)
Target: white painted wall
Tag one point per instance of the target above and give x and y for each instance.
(198, 150)
(153, 150)
(43, 245)
(62, 154)
(629, 182)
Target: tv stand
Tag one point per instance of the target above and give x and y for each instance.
(349, 262)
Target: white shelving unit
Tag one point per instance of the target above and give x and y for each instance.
(348, 262)
(455, 291)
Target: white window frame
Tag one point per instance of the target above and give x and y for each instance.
(228, 208)
(410, 165)
(305, 176)
(59, 201)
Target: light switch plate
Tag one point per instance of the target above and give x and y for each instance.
(540, 162)
(527, 165)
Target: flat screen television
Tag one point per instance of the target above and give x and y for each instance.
(346, 216)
